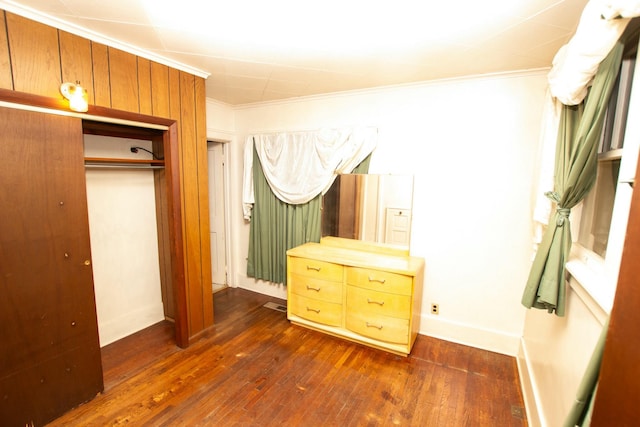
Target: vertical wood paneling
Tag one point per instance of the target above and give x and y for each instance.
(159, 98)
(6, 81)
(191, 200)
(160, 89)
(75, 59)
(203, 199)
(35, 57)
(175, 107)
(144, 86)
(123, 73)
(101, 83)
(175, 102)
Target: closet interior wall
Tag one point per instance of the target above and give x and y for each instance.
(129, 240)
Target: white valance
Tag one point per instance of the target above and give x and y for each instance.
(576, 63)
(300, 165)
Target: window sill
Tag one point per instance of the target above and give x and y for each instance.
(590, 282)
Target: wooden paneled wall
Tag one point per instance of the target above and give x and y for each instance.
(36, 59)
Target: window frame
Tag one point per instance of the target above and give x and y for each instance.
(595, 275)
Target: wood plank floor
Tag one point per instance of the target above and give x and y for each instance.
(254, 368)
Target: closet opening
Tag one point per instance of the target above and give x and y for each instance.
(131, 188)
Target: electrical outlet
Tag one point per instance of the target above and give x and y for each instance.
(435, 309)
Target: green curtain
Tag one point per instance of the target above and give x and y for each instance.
(580, 414)
(575, 173)
(277, 226)
(363, 167)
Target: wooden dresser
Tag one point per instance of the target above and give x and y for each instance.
(363, 292)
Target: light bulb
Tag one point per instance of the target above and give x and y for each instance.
(77, 96)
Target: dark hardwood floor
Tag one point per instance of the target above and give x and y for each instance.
(254, 368)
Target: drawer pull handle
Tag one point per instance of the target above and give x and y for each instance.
(380, 303)
(310, 267)
(311, 288)
(371, 279)
(315, 310)
(371, 325)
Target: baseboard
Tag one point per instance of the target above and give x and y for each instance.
(129, 323)
(262, 287)
(462, 333)
(529, 387)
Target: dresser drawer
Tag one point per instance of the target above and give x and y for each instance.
(312, 268)
(360, 300)
(383, 328)
(324, 312)
(378, 280)
(311, 287)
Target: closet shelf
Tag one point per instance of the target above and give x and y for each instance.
(126, 163)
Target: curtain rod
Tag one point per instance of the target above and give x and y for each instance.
(272, 132)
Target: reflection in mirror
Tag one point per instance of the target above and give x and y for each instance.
(373, 208)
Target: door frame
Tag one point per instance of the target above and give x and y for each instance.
(169, 128)
(225, 195)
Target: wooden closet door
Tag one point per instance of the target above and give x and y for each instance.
(49, 353)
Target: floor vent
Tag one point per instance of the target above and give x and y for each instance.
(275, 306)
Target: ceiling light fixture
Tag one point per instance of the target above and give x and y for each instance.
(77, 96)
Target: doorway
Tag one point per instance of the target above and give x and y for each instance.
(216, 157)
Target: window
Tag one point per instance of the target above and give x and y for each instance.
(601, 219)
(597, 207)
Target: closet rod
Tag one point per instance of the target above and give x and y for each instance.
(107, 162)
(122, 166)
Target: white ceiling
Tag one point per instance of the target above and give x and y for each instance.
(256, 50)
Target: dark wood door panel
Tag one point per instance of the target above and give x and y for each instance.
(57, 383)
(48, 324)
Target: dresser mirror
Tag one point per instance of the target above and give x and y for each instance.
(372, 208)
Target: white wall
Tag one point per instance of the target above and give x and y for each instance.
(554, 354)
(472, 146)
(220, 121)
(124, 243)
